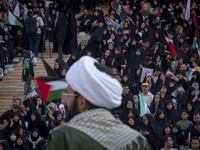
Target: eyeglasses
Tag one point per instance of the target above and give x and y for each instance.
(68, 95)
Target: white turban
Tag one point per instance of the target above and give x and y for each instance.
(99, 88)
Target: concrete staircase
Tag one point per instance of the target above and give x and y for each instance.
(11, 85)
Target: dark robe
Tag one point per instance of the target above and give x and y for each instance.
(154, 133)
(70, 43)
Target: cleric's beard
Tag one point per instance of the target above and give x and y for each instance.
(73, 111)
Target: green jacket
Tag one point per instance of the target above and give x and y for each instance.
(67, 138)
(39, 109)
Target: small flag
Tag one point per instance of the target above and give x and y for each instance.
(196, 40)
(16, 9)
(50, 88)
(31, 94)
(187, 12)
(172, 51)
(13, 20)
(143, 106)
(179, 90)
(157, 19)
(189, 74)
(170, 74)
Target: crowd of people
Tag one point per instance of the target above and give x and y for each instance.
(136, 50)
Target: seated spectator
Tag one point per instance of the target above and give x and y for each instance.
(41, 108)
(84, 22)
(20, 144)
(35, 141)
(151, 131)
(37, 122)
(20, 43)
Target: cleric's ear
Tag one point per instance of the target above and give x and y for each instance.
(83, 104)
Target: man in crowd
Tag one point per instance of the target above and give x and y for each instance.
(91, 125)
(148, 96)
(195, 144)
(167, 143)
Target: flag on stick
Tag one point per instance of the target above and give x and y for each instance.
(50, 88)
(143, 106)
(157, 19)
(31, 94)
(196, 40)
(187, 12)
(172, 51)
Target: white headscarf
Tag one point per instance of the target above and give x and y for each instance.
(99, 88)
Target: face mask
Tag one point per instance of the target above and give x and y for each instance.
(13, 137)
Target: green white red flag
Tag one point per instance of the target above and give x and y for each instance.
(31, 94)
(170, 74)
(179, 90)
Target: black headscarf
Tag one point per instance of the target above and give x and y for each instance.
(32, 108)
(38, 123)
(35, 138)
(5, 145)
(171, 116)
(154, 132)
(160, 122)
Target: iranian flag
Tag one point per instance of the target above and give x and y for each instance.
(170, 74)
(31, 94)
(143, 106)
(50, 88)
(189, 74)
(179, 90)
(196, 40)
(172, 51)
(157, 19)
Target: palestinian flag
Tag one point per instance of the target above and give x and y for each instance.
(13, 20)
(179, 90)
(157, 19)
(143, 106)
(31, 94)
(170, 74)
(172, 51)
(189, 74)
(196, 40)
(13, 6)
(187, 11)
(50, 88)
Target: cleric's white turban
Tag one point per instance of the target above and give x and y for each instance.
(99, 88)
